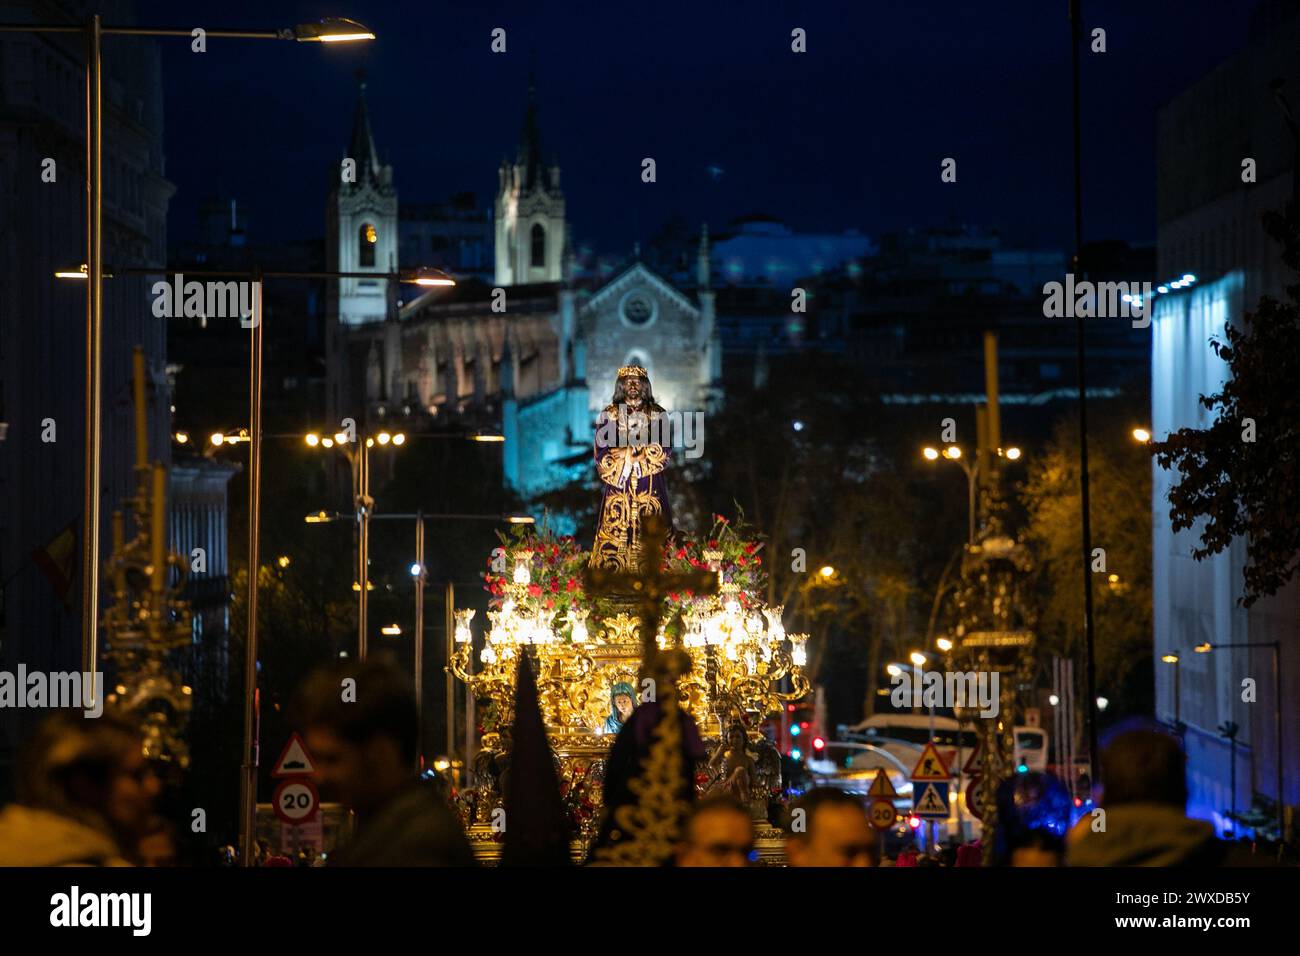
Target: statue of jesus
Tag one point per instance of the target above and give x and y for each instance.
(630, 462)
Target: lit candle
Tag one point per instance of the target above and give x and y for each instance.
(157, 535)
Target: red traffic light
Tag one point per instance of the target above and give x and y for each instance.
(819, 743)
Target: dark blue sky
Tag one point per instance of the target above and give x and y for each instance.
(850, 134)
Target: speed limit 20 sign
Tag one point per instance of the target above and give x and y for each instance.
(296, 801)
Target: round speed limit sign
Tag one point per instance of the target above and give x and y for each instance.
(296, 801)
(882, 814)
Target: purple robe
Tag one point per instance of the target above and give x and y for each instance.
(631, 470)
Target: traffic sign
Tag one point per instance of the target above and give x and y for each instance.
(972, 767)
(294, 760)
(881, 787)
(296, 801)
(931, 766)
(973, 791)
(932, 802)
(882, 814)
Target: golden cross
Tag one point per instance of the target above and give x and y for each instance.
(650, 583)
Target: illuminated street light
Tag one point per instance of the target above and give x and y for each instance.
(487, 436)
(1013, 454)
(1141, 435)
(952, 452)
(931, 454)
(1053, 700)
(1203, 648)
(918, 658)
(944, 644)
(1102, 703)
(384, 438)
(521, 519)
(312, 439)
(827, 571)
(182, 438)
(1170, 658)
(391, 630)
(217, 438)
(893, 670)
(283, 561)
(331, 30)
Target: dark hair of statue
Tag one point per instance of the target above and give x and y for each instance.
(647, 399)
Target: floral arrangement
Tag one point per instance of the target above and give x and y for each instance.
(556, 565)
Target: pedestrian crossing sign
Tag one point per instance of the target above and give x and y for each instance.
(931, 802)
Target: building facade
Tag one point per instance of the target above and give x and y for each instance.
(1209, 227)
(42, 321)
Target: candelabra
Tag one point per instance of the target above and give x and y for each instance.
(147, 619)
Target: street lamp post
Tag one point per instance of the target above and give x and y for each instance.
(419, 571)
(329, 30)
(1276, 648)
(953, 453)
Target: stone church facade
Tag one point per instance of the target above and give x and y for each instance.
(532, 356)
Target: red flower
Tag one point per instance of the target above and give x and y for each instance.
(572, 585)
(550, 604)
(534, 590)
(740, 562)
(713, 544)
(681, 552)
(750, 548)
(758, 560)
(555, 587)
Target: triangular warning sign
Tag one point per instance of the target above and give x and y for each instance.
(972, 762)
(930, 803)
(294, 760)
(930, 766)
(881, 787)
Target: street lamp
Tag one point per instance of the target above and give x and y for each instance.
(329, 30)
(1141, 435)
(1276, 648)
(359, 469)
(1172, 659)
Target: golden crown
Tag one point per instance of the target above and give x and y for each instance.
(627, 370)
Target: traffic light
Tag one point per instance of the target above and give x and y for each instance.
(819, 745)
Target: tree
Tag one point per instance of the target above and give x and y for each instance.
(1231, 483)
(1121, 525)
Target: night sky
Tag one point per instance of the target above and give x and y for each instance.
(848, 135)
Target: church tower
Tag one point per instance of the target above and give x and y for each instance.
(529, 213)
(362, 225)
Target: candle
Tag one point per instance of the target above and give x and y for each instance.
(157, 534)
(141, 410)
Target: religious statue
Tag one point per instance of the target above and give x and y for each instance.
(622, 701)
(738, 773)
(630, 462)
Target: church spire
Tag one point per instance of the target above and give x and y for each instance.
(362, 147)
(530, 141)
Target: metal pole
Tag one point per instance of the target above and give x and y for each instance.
(450, 626)
(94, 339)
(418, 665)
(1277, 729)
(1076, 36)
(248, 789)
(971, 480)
(363, 548)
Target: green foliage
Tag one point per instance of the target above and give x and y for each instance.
(1120, 476)
(1235, 488)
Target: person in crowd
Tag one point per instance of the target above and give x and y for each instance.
(85, 795)
(718, 833)
(1142, 819)
(828, 827)
(1033, 816)
(360, 726)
